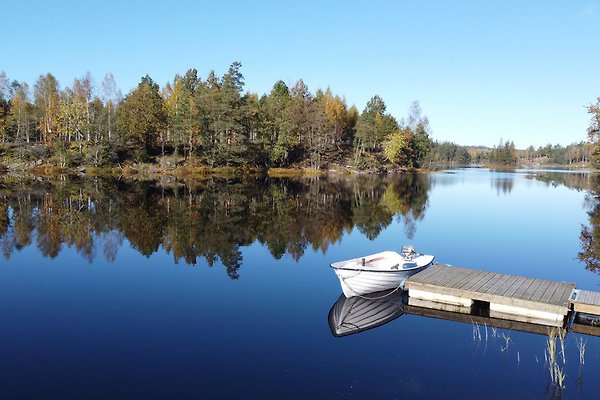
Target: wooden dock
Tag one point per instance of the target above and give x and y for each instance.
(586, 301)
(586, 305)
(508, 297)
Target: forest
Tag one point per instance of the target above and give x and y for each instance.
(583, 153)
(505, 153)
(213, 122)
(201, 122)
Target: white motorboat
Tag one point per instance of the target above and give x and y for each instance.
(356, 314)
(380, 271)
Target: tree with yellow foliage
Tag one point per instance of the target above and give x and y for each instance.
(46, 94)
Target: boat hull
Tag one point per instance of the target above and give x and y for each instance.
(364, 282)
(378, 272)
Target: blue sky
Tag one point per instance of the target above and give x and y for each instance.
(482, 70)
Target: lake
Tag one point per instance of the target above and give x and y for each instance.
(221, 289)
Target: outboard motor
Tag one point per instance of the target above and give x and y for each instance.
(408, 252)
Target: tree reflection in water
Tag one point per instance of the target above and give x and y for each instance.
(590, 234)
(210, 219)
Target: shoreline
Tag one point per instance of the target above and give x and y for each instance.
(151, 171)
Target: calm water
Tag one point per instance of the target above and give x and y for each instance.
(221, 289)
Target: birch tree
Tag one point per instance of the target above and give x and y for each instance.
(111, 96)
(46, 94)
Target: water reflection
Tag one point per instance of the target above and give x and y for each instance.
(503, 184)
(578, 180)
(356, 314)
(212, 219)
(590, 233)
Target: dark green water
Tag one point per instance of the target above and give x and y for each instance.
(222, 289)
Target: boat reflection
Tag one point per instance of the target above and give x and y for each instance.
(357, 314)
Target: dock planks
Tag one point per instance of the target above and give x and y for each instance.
(510, 293)
(586, 301)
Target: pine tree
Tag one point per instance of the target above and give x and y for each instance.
(142, 115)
